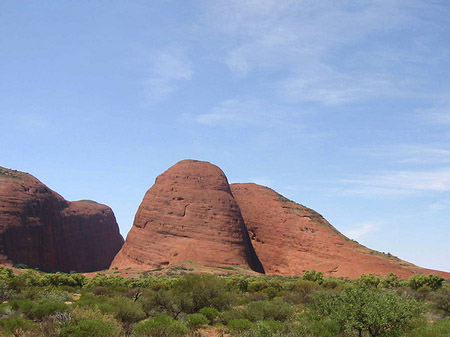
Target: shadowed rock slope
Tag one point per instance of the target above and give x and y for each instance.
(41, 229)
(188, 214)
(290, 238)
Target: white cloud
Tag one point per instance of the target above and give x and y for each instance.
(300, 42)
(439, 114)
(398, 183)
(362, 230)
(244, 112)
(169, 66)
(412, 154)
(440, 205)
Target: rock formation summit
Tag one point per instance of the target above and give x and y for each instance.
(290, 238)
(41, 229)
(189, 214)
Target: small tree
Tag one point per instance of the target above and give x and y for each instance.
(378, 313)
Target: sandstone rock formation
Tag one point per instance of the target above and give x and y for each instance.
(188, 214)
(290, 238)
(40, 229)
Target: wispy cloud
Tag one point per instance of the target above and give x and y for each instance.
(398, 183)
(429, 154)
(439, 114)
(169, 67)
(302, 41)
(241, 112)
(362, 230)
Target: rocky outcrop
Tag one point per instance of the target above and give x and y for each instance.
(290, 238)
(41, 229)
(188, 214)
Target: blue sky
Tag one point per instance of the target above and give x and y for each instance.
(343, 106)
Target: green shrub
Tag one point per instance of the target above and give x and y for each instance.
(442, 300)
(300, 291)
(16, 326)
(432, 281)
(360, 310)
(38, 310)
(55, 295)
(127, 310)
(437, 329)
(46, 308)
(310, 327)
(167, 302)
(268, 310)
(210, 313)
(239, 326)
(203, 290)
(5, 291)
(160, 326)
(90, 328)
(266, 329)
(312, 275)
(195, 321)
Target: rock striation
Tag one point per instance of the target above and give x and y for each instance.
(188, 214)
(290, 238)
(41, 229)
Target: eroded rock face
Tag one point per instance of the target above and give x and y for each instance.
(41, 229)
(290, 238)
(188, 214)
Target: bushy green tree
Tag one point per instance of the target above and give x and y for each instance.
(377, 313)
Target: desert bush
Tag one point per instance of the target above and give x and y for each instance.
(55, 295)
(160, 326)
(5, 291)
(299, 291)
(437, 329)
(313, 327)
(90, 327)
(45, 308)
(239, 326)
(267, 329)
(168, 302)
(369, 281)
(268, 310)
(362, 310)
(432, 281)
(38, 310)
(16, 326)
(195, 321)
(127, 310)
(204, 290)
(210, 313)
(312, 275)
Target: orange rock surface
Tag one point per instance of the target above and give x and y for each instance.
(188, 214)
(41, 229)
(290, 238)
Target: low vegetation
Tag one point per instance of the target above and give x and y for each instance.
(71, 305)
